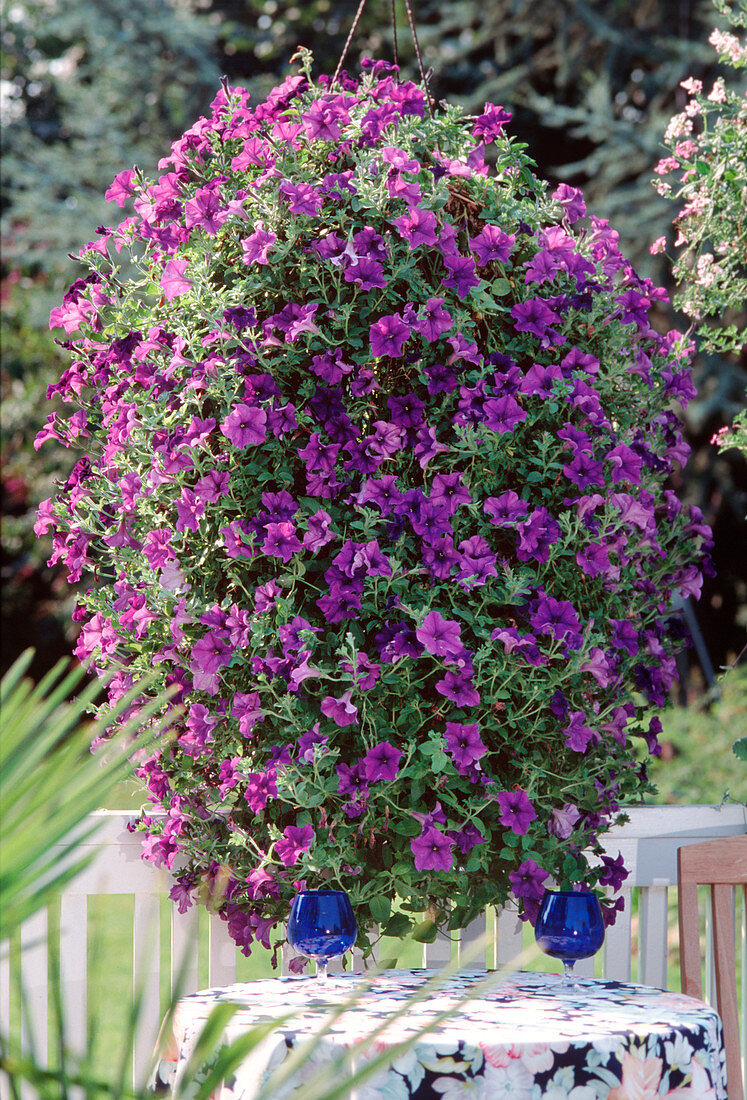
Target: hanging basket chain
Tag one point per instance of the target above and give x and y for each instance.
(394, 39)
(349, 39)
(408, 7)
(423, 77)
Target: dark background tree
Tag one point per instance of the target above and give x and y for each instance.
(93, 86)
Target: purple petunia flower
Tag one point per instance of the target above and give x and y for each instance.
(577, 735)
(388, 336)
(260, 788)
(563, 820)
(441, 637)
(534, 316)
(462, 275)
(477, 562)
(543, 266)
(417, 227)
(246, 707)
(432, 850)
(302, 197)
(572, 201)
(434, 320)
(295, 840)
(458, 687)
(449, 490)
(527, 881)
(317, 533)
(492, 244)
(281, 541)
(557, 617)
(464, 743)
(341, 711)
(210, 654)
(212, 486)
(506, 509)
(502, 414)
(381, 762)
(539, 379)
(593, 559)
(245, 425)
(189, 510)
(517, 812)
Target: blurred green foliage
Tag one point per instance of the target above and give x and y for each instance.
(90, 87)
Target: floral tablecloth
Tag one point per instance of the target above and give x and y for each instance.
(518, 1038)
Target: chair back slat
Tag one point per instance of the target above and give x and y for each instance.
(721, 865)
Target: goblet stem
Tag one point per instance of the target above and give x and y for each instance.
(568, 981)
(322, 973)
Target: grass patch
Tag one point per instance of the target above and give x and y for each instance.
(698, 765)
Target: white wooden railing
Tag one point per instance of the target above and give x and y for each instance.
(648, 843)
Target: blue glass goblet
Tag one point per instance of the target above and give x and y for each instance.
(569, 927)
(321, 925)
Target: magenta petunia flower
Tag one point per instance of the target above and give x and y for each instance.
(245, 425)
(489, 125)
(189, 510)
(441, 637)
(302, 198)
(572, 201)
(341, 711)
(517, 812)
(212, 486)
(210, 654)
(432, 850)
(388, 336)
(257, 246)
(173, 281)
(295, 840)
(121, 188)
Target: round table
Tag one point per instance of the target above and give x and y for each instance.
(520, 1037)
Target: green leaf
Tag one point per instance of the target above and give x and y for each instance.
(397, 926)
(381, 908)
(739, 748)
(408, 826)
(425, 932)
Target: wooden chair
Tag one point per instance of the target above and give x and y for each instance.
(722, 865)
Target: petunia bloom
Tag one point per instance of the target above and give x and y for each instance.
(432, 850)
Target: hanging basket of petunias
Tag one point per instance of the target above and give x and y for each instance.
(377, 441)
